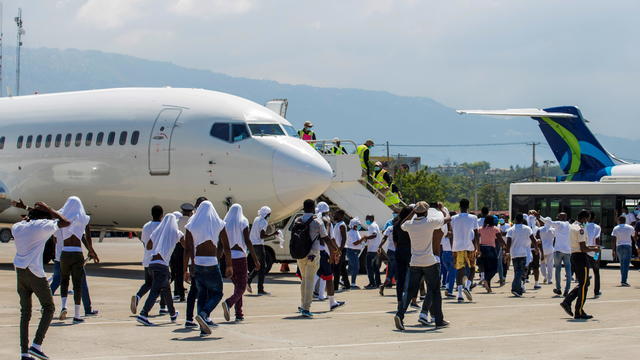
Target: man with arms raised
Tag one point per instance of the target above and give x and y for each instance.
(31, 235)
(425, 233)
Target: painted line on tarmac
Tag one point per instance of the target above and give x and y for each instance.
(386, 343)
(450, 306)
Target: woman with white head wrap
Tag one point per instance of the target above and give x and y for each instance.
(325, 271)
(205, 233)
(354, 246)
(257, 235)
(237, 227)
(164, 239)
(71, 257)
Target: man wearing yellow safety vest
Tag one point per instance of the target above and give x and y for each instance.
(337, 149)
(306, 133)
(363, 153)
(384, 183)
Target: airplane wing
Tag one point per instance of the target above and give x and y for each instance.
(517, 112)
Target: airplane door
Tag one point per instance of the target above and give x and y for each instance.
(160, 142)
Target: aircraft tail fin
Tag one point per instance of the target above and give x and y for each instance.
(573, 144)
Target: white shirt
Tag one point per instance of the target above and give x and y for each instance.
(623, 234)
(446, 242)
(391, 246)
(562, 228)
(504, 228)
(337, 234)
(463, 226)
(421, 233)
(631, 218)
(147, 229)
(374, 244)
(259, 224)
(30, 237)
(182, 222)
(593, 232)
(547, 235)
(520, 235)
(317, 230)
(352, 237)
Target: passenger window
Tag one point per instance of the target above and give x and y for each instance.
(1, 143)
(47, 141)
(67, 140)
(111, 138)
(38, 141)
(99, 138)
(78, 139)
(20, 140)
(88, 139)
(123, 138)
(134, 137)
(220, 131)
(239, 132)
(58, 140)
(29, 141)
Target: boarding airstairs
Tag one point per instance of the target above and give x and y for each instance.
(348, 190)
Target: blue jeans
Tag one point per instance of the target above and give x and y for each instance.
(209, 283)
(354, 264)
(624, 255)
(500, 263)
(449, 271)
(519, 265)
(55, 283)
(373, 269)
(433, 299)
(391, 273)
(558, 259)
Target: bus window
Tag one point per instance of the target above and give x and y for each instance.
(47, 141)
(99, 138)
(58, 140)
(38, 141)
(88, 139)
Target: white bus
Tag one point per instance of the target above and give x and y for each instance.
(606, 198)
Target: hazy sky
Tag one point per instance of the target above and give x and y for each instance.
(463, 53)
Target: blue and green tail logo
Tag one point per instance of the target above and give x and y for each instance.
(578, 152)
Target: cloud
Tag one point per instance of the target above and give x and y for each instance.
(211, 8)
(110, 14)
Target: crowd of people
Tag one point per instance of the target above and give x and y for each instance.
(428, 250)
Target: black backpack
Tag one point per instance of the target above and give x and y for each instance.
(300, 243)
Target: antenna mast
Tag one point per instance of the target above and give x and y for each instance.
(18, 20)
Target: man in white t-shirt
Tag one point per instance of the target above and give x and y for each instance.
(630, 218)
(425, 232)
(387, 239)
(374, 238)
(623, 242)
(593, 239)
(30, 236)
(547, 236)
(520, 241)
(562, 251)
(257, 235)
(156, 215)
(465, 245)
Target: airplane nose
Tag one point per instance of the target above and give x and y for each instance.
(299, 173)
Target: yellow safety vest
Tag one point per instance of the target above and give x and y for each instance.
(391, 198)
(360, 151)
(380, 182)
(337, 150)
(306, 137)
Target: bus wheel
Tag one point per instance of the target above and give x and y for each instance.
(5, 235)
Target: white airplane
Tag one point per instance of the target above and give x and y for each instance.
(124, 150)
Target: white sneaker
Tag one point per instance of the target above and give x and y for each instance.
(424, 319)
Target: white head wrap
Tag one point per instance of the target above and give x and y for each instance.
(264, 211)
(177, 214)
(322, 208)
(73, 210)
(165, 237)
(235, 223)
(354, 222)
(205, 224)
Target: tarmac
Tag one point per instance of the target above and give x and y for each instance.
(492, 326)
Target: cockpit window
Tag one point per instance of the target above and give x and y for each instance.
(265, 129)
(291, 131)
(220, 131)
(239, 132)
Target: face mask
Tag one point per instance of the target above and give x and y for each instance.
(306, 128)
(394, 215)
(501, 221)
(636, 211)
(376, 168)
(368, 222)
